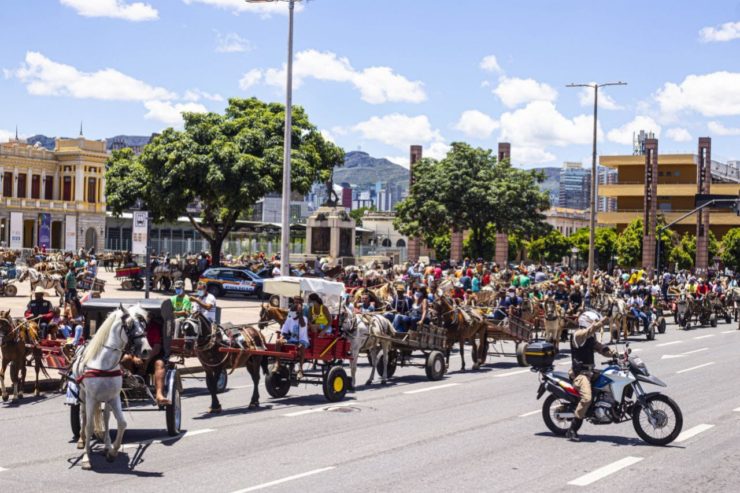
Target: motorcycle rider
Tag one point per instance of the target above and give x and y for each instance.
(583, 344)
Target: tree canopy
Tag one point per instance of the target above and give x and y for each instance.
(605, 244)
(552, 247)
(731, 249)
(471, 190)
(223, 163)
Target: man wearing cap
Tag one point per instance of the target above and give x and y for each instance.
(583, 345)
(204, 302)
(181, 304)
(40, 310)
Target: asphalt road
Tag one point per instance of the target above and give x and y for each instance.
(472, 431)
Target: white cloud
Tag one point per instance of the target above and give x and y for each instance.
(232, 43)
(530, 155)
(239, 6)
(474, 123)
(713, 94)
(404, 161)
(250, 79)
(626, 133)
(586, 98)
(437, 150)
(514, 92)
(376, 84)
(678, 134)
(540, 124)
(44, 77)
(328, 136)
(399, 130)
(726, 32)
(719, 129)
(197, 95)
(6, 135)
(490, 64)
(171, 113)
(117, 9)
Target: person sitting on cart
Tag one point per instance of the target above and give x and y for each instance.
(399, 306)
(575, 300)
(319, 318)
(154, 363)
(418, 314)
(204, 302)
(506, 305)
(365, 305)
(561, 296)
(295, 331)
(181, 304)
(40, 310)
(636, 304)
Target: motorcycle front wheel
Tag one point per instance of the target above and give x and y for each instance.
(552, 405)
(660, 422)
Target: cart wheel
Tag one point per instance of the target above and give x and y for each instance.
(222, 382)
(126, 284)
(10, 290)
(392, 364)
(728, 318)
(713, 320)
(521, 358)
(277, 382)
(662, 326)
(74, 421)
(173, 413)
(137, 283)
(335, 384)
(650, 336)
(435, 366)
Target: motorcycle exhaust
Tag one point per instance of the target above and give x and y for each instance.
(565, 415)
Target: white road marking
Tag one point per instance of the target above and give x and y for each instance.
(241, 387)
(436, 387)
(696, 350)
(637, 350)
(155, 441)
(316, 410)
(692, 432)
(737, 410)
(734, 331)
(2, 469)
(285, 480)
(704, 337)
(605, 471)
(531, 413)
(517, 372)
(668, 343)
(696, 367)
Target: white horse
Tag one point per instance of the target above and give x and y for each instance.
(44, 280)
(99, 378)
(363, 330)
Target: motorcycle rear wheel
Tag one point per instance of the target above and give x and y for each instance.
(559, 427)
(666, 428)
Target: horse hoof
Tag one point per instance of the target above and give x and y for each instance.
(368, 383)
(5, 398)
(383, 382)
(86, 466)
(476, 367)
(110, 458)
(80, 445)
(214, 410)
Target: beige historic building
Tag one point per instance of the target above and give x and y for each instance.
(566, 220)
(56, 195)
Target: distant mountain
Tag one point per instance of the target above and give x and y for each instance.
(551, 183)
(364, 171)
(48, 142)
(136, 142)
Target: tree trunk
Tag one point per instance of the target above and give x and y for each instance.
(216, 242)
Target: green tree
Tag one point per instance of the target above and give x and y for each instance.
(684, 252)
(629, 244)
(605, 244)
(551, 248)
(731, 249)
(357, 214)
(224, 162)
(471, 190)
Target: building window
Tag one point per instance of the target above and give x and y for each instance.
(8, 184)
(387, 242)
(21, 186)
(91, 189)
(49, 188)
(36, 186)
(67, 188)
(677, 173)
(400, 243)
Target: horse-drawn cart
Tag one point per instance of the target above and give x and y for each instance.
(328, 352)
(131, 277)
(512, 329)
(91, 283)
(428, 343)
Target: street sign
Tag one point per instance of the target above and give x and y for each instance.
(140, 233)
(723, 201)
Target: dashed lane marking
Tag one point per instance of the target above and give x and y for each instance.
(517, 372)
(428, 389)
(285, 480)
(696, 367)
(737, 410)
(733, 331)
(692, 432)
(605, 471)
(696, 350)
(668, 343)
(704, 337)
(316, 410)
(531, 413)
(2, 469)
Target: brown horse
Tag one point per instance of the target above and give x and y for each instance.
(271, 313)
(209, 337)
(13, 339)
(462, 325)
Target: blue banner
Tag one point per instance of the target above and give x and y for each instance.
(44, 230)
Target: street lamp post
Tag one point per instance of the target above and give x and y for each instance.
(592, 223)
(285, 236)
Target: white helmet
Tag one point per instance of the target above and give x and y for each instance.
(588, 318)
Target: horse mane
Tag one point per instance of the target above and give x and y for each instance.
(100, 337)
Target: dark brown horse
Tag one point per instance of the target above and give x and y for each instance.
(209, 337)
(271, 313)
(462, 326)
(14, 335)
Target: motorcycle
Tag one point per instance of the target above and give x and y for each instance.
(618, 396)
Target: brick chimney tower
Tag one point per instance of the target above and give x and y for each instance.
(703, 185)
(650, 207)
(414, 248)
(502, 239)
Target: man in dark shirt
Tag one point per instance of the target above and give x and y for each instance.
(40, 310)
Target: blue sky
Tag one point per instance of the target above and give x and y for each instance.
(384, 74)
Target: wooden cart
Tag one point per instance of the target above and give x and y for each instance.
(428, 344)
(513, 329)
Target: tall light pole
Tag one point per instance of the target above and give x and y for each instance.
(285, 235)
(594, 181)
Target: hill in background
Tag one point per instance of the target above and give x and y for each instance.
(364, 171)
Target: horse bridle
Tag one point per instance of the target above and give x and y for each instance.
(126, 329)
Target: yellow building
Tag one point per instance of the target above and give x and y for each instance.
(677, 174)
(53, 198)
